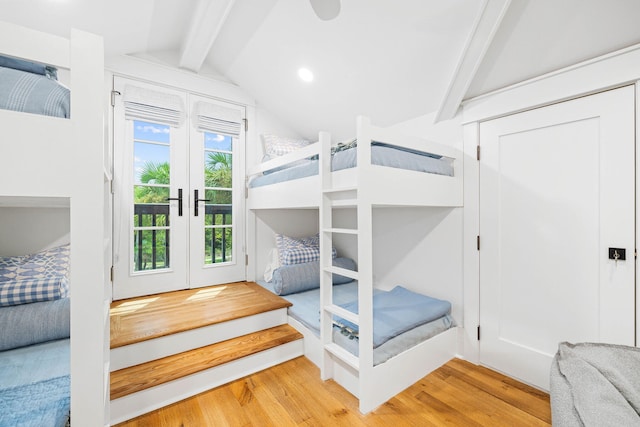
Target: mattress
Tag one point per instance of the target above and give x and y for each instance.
(381, 154)
(306, 310)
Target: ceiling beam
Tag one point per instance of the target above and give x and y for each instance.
(206, 22)
(485, 27)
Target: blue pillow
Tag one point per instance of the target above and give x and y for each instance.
(291, 279)
(29, 67)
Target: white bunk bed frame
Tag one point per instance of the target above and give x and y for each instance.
(364, 187)
(57, 162)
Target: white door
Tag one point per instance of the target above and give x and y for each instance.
(150, 167)
(556, 192)
(217, 216)
(178, 205)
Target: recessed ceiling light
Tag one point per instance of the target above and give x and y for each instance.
(305, 75)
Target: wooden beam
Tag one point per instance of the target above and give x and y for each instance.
(208, 19)
(484, 29)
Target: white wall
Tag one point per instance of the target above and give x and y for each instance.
(295, 223)
(266, 123)
(27, 230)
(421, 248)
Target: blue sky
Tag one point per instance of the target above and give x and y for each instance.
(158, 153)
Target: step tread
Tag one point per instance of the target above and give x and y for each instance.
(144, 318)
(141, 377)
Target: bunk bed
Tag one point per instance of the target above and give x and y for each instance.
(52, 158)
(369, 375)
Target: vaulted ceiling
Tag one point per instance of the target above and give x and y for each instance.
(391, 60)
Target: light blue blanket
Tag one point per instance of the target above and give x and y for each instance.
(34, 385)
(398, 311)
(383, 155)
(41, 404)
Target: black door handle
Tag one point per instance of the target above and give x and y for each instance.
(195, 204)
(179, 199)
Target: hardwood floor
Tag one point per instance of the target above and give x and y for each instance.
(292, 394)
(144, 318)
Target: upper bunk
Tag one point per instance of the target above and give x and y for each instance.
(392, 170)
(43, 120)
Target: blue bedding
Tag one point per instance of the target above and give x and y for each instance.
(34, 385)
(33, 93)
(306, 310)
(382, 155)
(44, 403)
(397, 311)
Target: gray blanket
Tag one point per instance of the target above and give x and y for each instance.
(595, 385)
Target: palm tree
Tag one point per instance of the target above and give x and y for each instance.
(218, 170)
(153, 173)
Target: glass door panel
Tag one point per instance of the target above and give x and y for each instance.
(217, 240)
(151, 193)
(218, 173)
(150, 222)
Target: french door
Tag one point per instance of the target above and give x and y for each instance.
(178, 190)
(557, 202)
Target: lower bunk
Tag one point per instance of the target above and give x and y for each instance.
(35, 385)
(34, 339)
(400, 359)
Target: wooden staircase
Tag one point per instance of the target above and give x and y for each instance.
(167, 347)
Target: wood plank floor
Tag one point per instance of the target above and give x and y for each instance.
(292, 394)
(138, 319)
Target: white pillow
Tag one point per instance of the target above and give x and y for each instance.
(274, 262)
(274, 146)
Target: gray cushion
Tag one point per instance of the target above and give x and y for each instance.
(27, 324)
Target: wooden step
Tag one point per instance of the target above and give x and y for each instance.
(144, 318)
(141, 377)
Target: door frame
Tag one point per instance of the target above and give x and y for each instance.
(175, 277)
(189, 92)
(596, 76)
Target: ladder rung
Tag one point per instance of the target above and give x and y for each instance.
(344, 203)
(342, 272)
(339, 190)
(341, 230)
(343, 355)
(344, 313)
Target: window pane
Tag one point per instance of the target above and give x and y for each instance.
(143, 194)
(151, 163)
(150, 215)
(150, 131)
(218, 197)
(217, 169)
(218, 245)
(214, 141)
(217, 215)
(150, 249)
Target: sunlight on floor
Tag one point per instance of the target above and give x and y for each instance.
(131, 306)
(204, 294)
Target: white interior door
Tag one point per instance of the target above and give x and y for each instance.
(556, 192)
